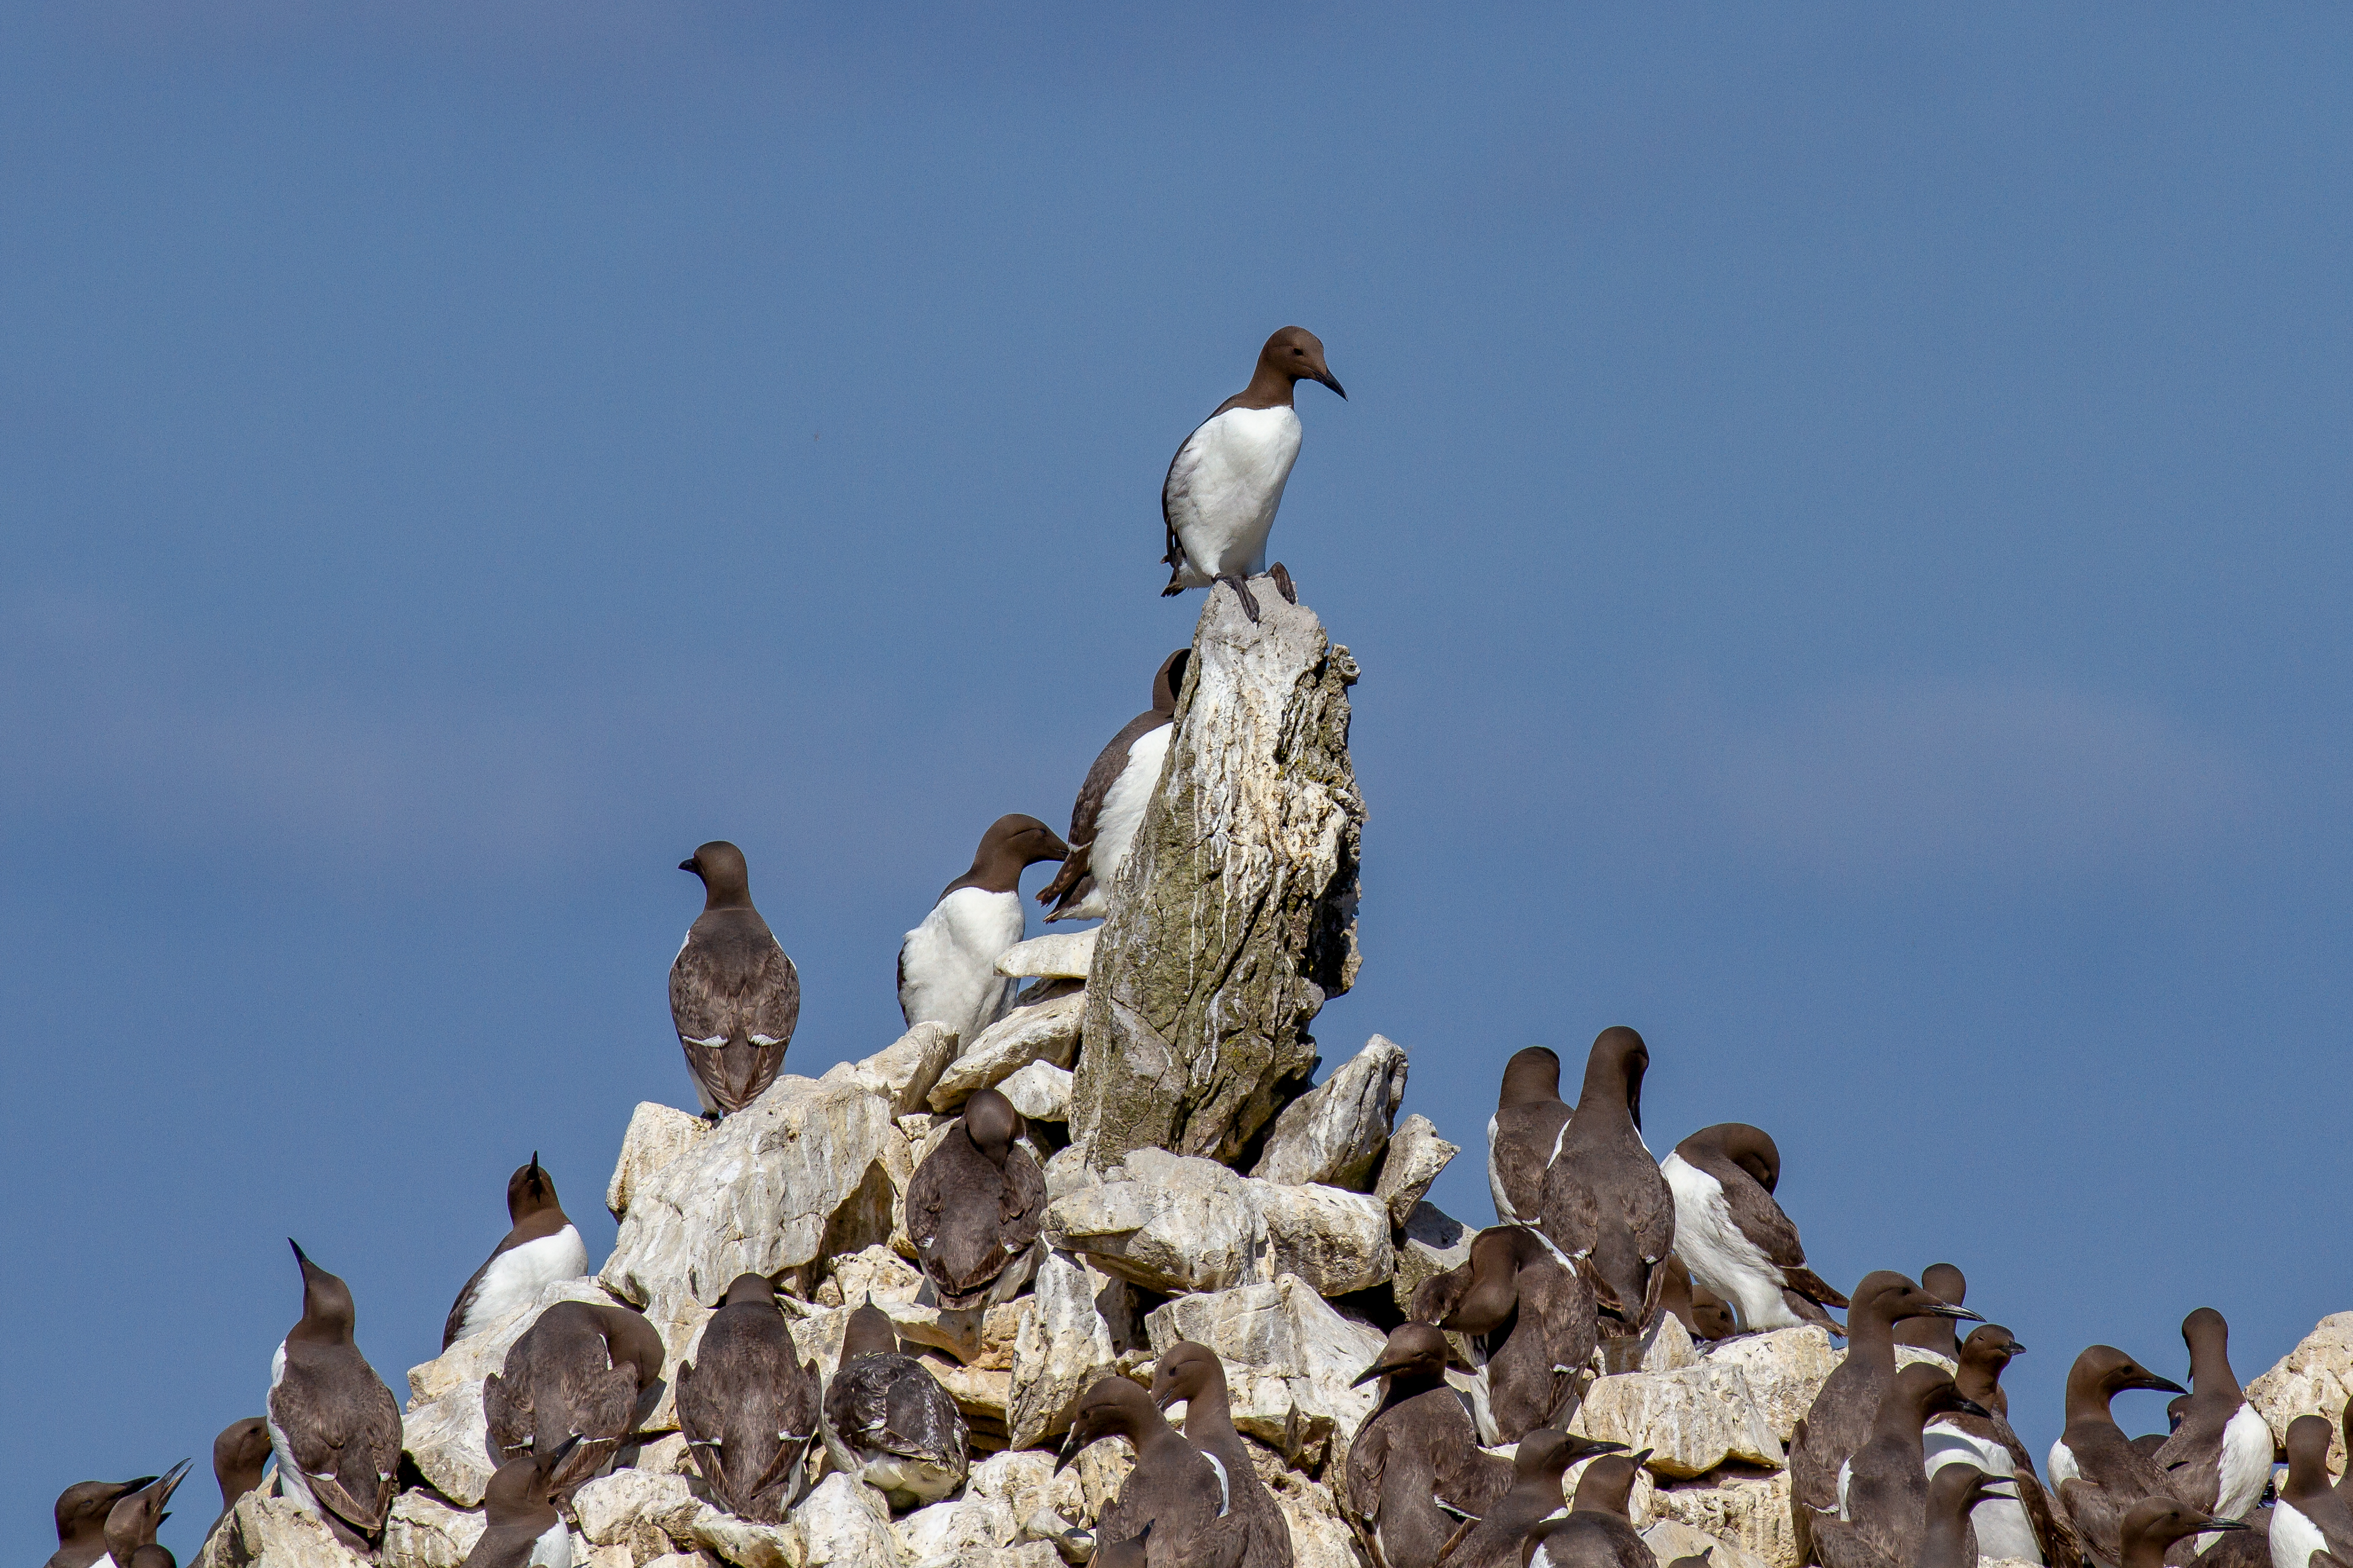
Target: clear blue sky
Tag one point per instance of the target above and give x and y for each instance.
(1842, 516)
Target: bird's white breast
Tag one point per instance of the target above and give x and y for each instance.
(2246, 1463)
(515, 1277)
(291, 1481)
(2003, 1525)
(2064, 1468)
(949, 961)
(2295, 1538)
(1121, 812)
(1226, 486)
(1719, 1254)
(1504, 1213)
(554, 1547)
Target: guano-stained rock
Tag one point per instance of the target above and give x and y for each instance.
(1416, 1156)
(2317, 1376)
(903, 1071)
(846, 1524)
(1670, 1539)
(1058, 955)
(1066, 1339)
(1785, 1369)
(1691, 1420)
(1336, 1132)
(1288, 1356)
(658, 1134)
(1233, 918)
(1177, 1225)
(1751, 1512)
(1045, 1031)
(277, 1533)
(795, 1176)
(1040, 1092)
(1320, 1537)
(423, 1531)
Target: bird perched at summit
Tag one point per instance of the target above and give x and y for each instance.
(1226, 481)
(749, 1404)
(947, 965)
(81, 1513)
(1523, 1134)
(1112, 800)
(540, 1247)
(888, 1421)
(2097, 1473)
(1606, 1205)
(1733, 1237)
(974, 1206)
(334, 1425)
(733, 996)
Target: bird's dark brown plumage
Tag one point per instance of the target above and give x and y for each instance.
(731, 984)
(1606, 1205)
(1530, 1321)
(749, 1406)
(332, 1420)
(975, 1204)
(580, 1370)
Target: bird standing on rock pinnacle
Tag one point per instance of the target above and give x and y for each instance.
(733, 996)
(1226, 481)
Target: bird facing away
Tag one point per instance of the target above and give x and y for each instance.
(1957, 1494)
(1112, 800)
(1883, 1486)
(733, 996)
(2220, 1456)
(2021, 1523)
(1193, 1373)
(1596, 1532)
(580, 1370)
(974, 1205)
(1178, 1493)
(947, 964)
(887, 1419)
(1947, 1283)
(81, 1513)
(2095, 1468)
(132, 1521)
(2312, 1526)
(1415, 1468)
(333, 1425)
(1523, 1134)
(542, 1246)
(522, 1526)
(1528, 1315)
(1732, 1236)
(239, 1454)
(1226, 481)
(749, 1406)
(1845, 1410)
(1606, 1205)
(1542, 1457)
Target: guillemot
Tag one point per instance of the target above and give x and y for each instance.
(947, 964)
(1177, 1495)
(1596, 1532)
(888, 1421)
(1606, 1205)
(1193, 1373)
(1523, 1134)
(2097, 1473)
(1884, 1485)
(749, 1404)
(1226, 481)
(2220, 1456)
(1734, 1238)
(1415, 1468)
(1529, 1319)
(1111, 799)
(334, 1425)
(542, 1246)
(1947, 1283)
(2021, 1524)
(974, 1204)
(580, 1370)
(734, 997)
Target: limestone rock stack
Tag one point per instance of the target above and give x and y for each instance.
(1198, 1190)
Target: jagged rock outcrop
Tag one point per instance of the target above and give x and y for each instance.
(1174, 1224)
(1416, 1156)
(1234, 915)
(1072, 1327)
(1045, 1031)
(1693, 1420)
(2317, 1375)
(1290, 1359)
(1336, 1132)
(1040, 1092)
(801, 1172)
(1058, 955)
(276, 1533)
(1429, 1243)
(1785, 1368)
(903, 1072)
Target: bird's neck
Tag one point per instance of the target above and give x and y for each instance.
(1268, 388)
(2210, 1373)
(1979, 1381)
(2089, 1406)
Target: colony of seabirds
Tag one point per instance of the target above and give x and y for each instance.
(1595, 1242)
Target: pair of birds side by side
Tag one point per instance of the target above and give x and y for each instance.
(1194, 1499)
(115, 1522)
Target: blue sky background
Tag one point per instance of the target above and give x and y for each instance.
(1842, 515)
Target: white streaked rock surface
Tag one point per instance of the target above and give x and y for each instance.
(1040, 1092)
(1046, 1031)
(1334, 1133)
(1416, 1156)
(1290, 1357)
(1061, 955)
(657, 1135)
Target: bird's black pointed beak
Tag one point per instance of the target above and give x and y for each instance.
(686, 865)
(2017, 1348)
(2225, 1524)
(1372, 1373)
(1945, 1310)
(299, 1256)
(2161, 1384)
(1328, 379)
(1068, 1451)
(1587, 1448)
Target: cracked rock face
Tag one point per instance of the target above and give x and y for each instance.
(276, 1532)
(802, 1172)
(1693, 1419)
(1290, 1357)
(1176, 1225)
(1234, 915)
(1045, 1031)
(1416, 1156)
(1336, 1132)
(2317, 1375)
(1069, 1335)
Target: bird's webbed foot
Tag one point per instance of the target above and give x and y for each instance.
(1282, 585)
(1241, 586)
